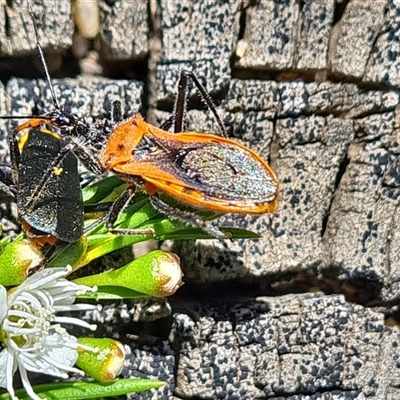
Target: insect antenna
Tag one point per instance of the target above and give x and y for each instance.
(43, 61)
(46, 72)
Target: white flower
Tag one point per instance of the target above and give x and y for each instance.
(30, 330)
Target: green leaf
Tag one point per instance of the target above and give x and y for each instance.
(87, 390)
(108, 244)
(100, 190)
(102, 244)
(4, 242)
(195, 233)
(69, 255)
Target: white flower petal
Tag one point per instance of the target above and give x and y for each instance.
(34, 339)
(3, 303)
(60, 354)
(8, 366)
(27, 385)
(38, 280)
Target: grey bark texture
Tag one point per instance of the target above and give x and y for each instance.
(312, 86)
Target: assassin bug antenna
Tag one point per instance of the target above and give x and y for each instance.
(30, 204)
(42, 59)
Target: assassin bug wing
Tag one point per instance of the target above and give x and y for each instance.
(58, 207)
(202, 170)
(222, 177)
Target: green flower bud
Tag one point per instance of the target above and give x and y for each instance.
(18, 260)
(157, 273)
(101, 359)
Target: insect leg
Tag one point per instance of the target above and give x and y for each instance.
(101, 207)
(115, 111)
(86, 178)
(15, 156)
(166, 125)
(179, 115)
(118, 206)
(88, 157)
(187, 217)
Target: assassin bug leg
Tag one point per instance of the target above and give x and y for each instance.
(116, 209)
(178, 118)
(187, 218)
(180, 106)
(112, 212)
(116, 112)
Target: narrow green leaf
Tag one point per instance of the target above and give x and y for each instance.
(97, 192)
(70, 254)
(195, 233)
(110, 244)
(4, 242)
(87, 390)
(113, 293)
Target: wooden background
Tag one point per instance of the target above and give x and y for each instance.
(310, 310)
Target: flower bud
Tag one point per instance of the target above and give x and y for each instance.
(18, 260)
(157, 273)
(101, 359)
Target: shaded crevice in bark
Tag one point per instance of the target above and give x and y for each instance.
(340, 8)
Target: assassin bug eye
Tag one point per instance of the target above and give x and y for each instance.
(65, 120)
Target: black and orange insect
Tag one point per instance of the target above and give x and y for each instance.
(202, 170)
(43, 176)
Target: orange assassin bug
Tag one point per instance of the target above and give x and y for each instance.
(202, 170)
